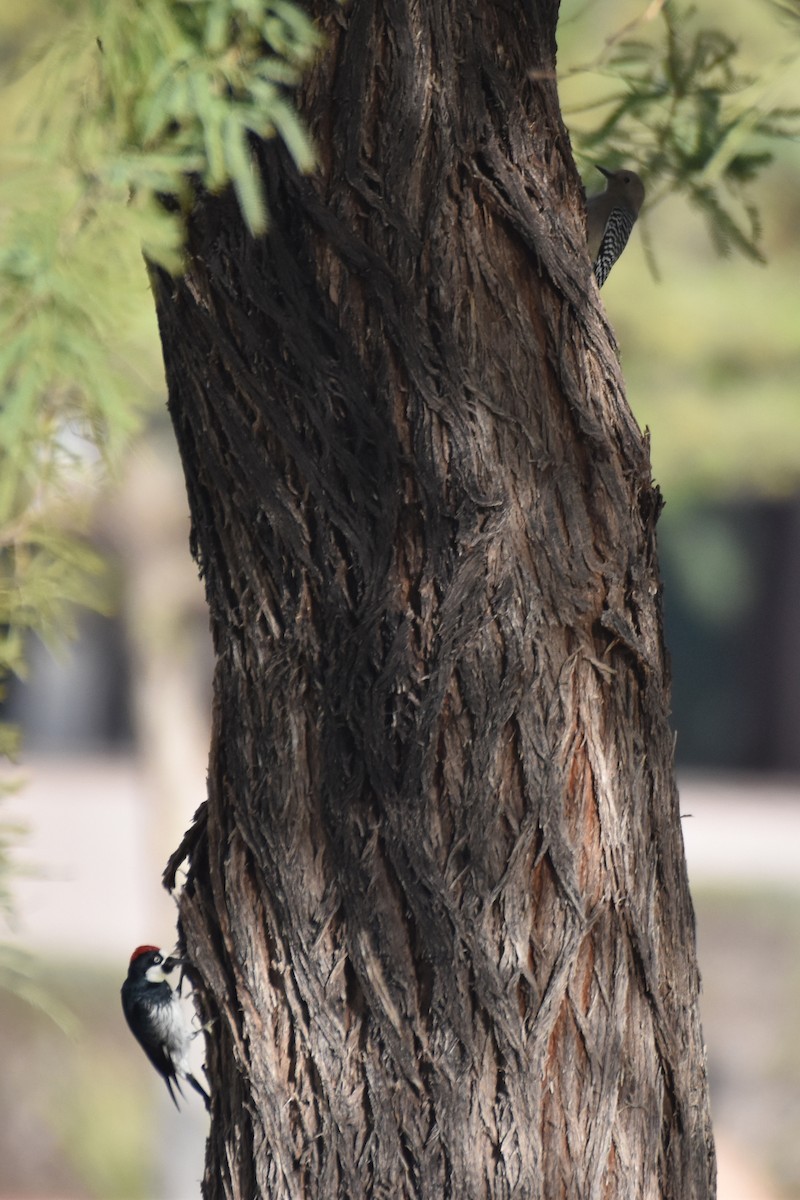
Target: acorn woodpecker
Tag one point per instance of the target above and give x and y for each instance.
(153, 1011)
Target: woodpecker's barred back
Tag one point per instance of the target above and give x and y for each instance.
(610, 218)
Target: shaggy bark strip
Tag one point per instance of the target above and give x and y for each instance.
(437, 897)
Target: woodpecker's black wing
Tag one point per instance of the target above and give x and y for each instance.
(146, 1022)
(174, 1082)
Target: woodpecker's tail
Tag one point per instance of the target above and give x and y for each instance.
(172, 1080)
(198, 1087)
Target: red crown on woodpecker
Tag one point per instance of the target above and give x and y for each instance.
(144, 950)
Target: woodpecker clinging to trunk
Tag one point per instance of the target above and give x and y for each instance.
(155, 1015)
(610, 218)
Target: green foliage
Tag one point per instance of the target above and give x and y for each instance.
(682, 109)
(130, 107)
(184, 83)
(710, 354)
(63, 395)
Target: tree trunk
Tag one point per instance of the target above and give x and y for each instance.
(437, 899)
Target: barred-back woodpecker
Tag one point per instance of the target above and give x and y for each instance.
(611, 216)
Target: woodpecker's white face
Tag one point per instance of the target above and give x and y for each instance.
(161, 969)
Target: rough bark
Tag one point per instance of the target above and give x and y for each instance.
(437, 899)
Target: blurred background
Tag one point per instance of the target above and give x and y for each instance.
(116, 724)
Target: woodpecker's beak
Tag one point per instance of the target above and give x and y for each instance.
(159, 972)
(171, 963)
(603, 171)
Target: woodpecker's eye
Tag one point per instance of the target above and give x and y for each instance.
(157, 958)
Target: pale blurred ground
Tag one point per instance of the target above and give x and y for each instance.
(90, 881)
(737, 1178)
(79, 898)
(741, 830)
